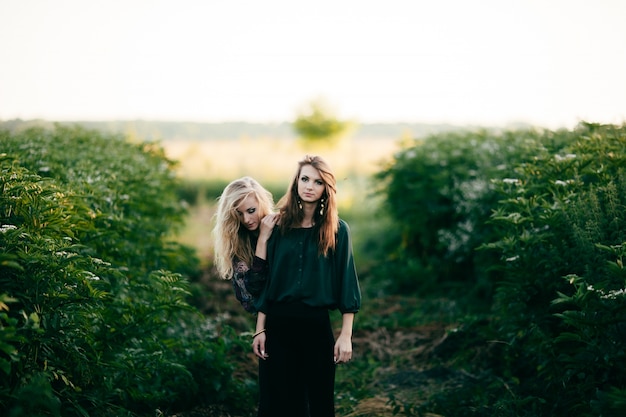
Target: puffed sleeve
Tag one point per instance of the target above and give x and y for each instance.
(350, 291)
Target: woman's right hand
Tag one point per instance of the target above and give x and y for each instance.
(258, 346)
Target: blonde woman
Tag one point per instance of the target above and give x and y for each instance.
(311, 270)
(244, 221)
(239, 226)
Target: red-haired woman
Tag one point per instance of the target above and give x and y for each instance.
(310, 271)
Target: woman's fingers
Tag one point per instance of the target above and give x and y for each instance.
(342, 357)
(258, 346)
(268, 222)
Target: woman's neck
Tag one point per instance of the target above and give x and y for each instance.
(307, 220)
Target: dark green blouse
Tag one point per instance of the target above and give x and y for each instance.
(296, 272)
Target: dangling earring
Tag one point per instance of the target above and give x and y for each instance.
(300, 204)
(322, 207)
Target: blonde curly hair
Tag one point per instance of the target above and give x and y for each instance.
(233, 242)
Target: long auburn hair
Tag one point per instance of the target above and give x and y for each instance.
(327, 223)
(232, 241)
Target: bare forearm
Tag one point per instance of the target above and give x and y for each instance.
(267, 226)
(258, 342)
(347, 321)
(261, 248)
(260, 322)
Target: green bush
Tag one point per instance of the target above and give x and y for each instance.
(93, 293)
(538, 219)
(560, 304)
(439, 193)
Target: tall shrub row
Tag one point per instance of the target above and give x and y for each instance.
(560, 305)
(545, 236)
(440, 193)
(94, 318)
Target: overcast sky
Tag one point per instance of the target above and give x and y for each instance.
(547, 62)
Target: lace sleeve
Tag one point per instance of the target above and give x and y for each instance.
(247, 284)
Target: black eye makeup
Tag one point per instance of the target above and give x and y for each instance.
(304, 178)
(250, 210)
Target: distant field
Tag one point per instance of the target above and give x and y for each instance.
(273, 161)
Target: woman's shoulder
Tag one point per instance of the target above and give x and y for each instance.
(344, 228)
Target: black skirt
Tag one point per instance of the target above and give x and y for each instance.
(298, 377)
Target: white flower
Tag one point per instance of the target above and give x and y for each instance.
(5, 227)
(510, 181)
(613, 294)
(90, 275)
(560, 158)
(99, 261)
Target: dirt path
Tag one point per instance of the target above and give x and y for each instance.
(405, 364)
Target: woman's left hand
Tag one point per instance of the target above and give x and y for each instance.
(343, 349)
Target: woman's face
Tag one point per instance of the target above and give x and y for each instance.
(248, 212)
(310, 184)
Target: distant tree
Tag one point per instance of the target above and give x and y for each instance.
(317, 124)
